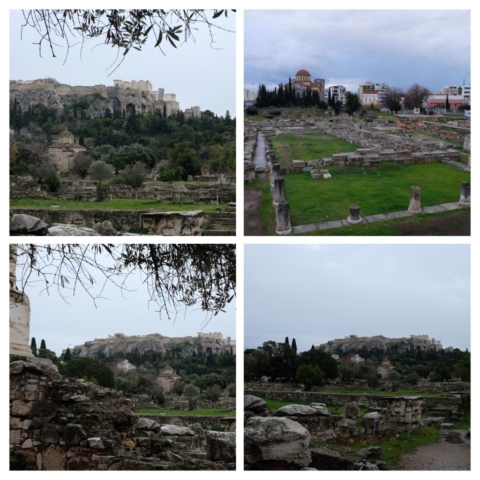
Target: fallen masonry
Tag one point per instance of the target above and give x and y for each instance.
(282, 441)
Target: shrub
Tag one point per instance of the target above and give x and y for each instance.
(275, 113)
(251, 111)
(53, 183)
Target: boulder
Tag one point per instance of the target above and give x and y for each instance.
(221, 446)
(176, 430)
(22, 224)
(295, 410)
(105, 229)
(371, 417)
(276, 443)
(254, 404)
(147, 424)
(71, 231)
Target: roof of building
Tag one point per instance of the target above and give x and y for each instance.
(303, 73)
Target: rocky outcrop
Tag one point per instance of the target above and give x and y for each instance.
(381, 343)
(154, 342)
(274, 443)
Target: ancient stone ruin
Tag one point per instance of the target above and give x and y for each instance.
(57, 423)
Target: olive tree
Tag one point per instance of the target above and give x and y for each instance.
(100, 171)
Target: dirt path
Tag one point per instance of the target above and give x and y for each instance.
(251, 214)
(439, 456)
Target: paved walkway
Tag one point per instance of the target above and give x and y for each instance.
(374, 218)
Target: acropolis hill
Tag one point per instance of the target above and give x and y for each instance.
(120, 343)
(122, 95)
(379, 342)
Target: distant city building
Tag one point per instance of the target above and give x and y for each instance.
(303, 80)
(369, 88)
(438, 101)
(337, 93)
(369, 99)
(248, 95)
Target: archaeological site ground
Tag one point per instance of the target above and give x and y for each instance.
(308, 173)
(358, 403)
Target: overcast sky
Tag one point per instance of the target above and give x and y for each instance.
(64, 324)
(350, 47)
(316, 293)
(196, 72)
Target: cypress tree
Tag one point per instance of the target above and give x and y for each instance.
(294, 345)
(33, 346)
(67, 356)
(42, 344)
(286, 341)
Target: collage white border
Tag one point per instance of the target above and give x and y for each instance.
(240, 240)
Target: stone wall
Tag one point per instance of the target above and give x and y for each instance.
(188, 193)
(69, 424)
(372, 401)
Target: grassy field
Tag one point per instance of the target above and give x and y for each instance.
(201, 412)
(115, 204)
(394, 448)
(377, 190)
(256, 118)
(314, 146)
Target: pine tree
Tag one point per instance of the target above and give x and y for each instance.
(42, 344)
(33, 346)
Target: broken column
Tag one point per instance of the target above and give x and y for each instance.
(278, 191)
(275, 173)
(283, 226)
(465, 194)
(19, 313)
(415, 200)
(354, 218)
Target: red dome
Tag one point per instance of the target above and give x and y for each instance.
(303, 73)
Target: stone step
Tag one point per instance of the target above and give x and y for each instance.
(223, 220)
(219, 226)
(220, 233)
(222, 214)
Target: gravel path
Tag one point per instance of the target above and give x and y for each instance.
(439, 456)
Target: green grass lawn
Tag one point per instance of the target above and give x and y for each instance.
(115, 204)
(201, 412)
(313, 146)
(377, 190)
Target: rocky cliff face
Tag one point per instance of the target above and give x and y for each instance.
(379, 342)
(53, 94)
(185, 346)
